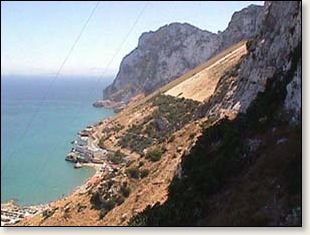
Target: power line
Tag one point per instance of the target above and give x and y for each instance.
(129, 32)
(112, 59)
(51, 84)
(115, 54)
(107, 66)
(78, 38)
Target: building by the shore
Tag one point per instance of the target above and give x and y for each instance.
(11, 213)
(84, 150)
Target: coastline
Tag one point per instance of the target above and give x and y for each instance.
(12, 213)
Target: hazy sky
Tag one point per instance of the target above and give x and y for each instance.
(37, 36)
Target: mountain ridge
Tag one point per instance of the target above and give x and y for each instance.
(231, 158)
(163, 55)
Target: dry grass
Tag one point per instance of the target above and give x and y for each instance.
(146, 191)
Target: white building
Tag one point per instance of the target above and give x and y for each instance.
(81, 146)
(83, 141)
(87, 151)
(99, 153)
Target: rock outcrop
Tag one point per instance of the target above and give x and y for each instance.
(241, 166)
(160, 57)
(293, 97)
(247, 171)
(273, 54)
(174, 49)
(244, 24)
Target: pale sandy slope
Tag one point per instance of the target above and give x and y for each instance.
(201, 85)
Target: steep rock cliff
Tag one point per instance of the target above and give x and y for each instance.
(160, 57)
(244, 24)
(174, 49)
(273, 54)
(247, 171)
(238, 171)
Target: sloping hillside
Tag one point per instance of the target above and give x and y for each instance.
(160, 122)
(228, 154)
(202, 85)
(247, 171)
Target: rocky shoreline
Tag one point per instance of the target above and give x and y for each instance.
(11, 212)
(109, 104)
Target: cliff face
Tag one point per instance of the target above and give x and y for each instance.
(160, 57)
(244, 24)
(247, 171)
(174, 49)
(273, 54)
(231, 158)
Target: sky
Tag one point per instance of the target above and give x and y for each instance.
(36, 36)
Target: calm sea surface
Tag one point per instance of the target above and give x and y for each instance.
(39, 118)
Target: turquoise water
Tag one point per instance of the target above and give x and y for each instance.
(39, 119)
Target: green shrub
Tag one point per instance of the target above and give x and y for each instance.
(191, 136)
(109, 204)
(172, 138)
(117, 157)
(171, 114)
(95, 200)
(133, 173)
(120, 200)
(101, 143)
(125, 191)
(154, 155)
(144, 173)
(118, 153)
(48, 213)
(81, 207)
(102, 213)
(117, 128)
(141, 163)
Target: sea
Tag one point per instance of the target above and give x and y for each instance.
(40, 117)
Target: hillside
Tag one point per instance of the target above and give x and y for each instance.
(202, 85)
(247, 171)
(170, 125)
(218, 146)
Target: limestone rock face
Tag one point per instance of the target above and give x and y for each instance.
(244, 24)
(272, 55)
(172, 50)
(160, 57)
(293, 97)
(279, 36)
